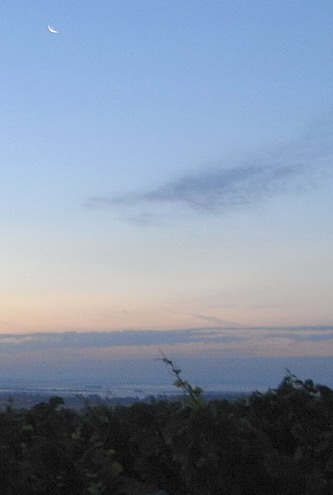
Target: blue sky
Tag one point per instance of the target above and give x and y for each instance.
(167, 167)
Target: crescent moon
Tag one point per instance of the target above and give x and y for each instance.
(52, 30)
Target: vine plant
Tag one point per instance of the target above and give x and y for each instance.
(194, 394)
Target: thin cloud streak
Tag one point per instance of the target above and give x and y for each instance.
(136, 338)
(11, 343)
(211, 319)
(292, 168)
(319, 337)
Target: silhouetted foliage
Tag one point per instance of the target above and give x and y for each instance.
(278, 443)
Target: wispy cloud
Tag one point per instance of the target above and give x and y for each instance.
(211, 319)
(295, 167)
(146, 338)
(305, 337)
(70, 340)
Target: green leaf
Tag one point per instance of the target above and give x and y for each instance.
(27, 428)
(96, 488)
(116, 468)
(110, 452)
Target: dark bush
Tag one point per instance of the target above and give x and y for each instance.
(278, 443)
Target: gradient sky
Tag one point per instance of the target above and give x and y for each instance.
(167, 166)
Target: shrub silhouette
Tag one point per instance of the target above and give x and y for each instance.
(279, 442)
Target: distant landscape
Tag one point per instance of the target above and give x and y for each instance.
(77, 398)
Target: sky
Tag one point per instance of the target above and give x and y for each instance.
(166, 186)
